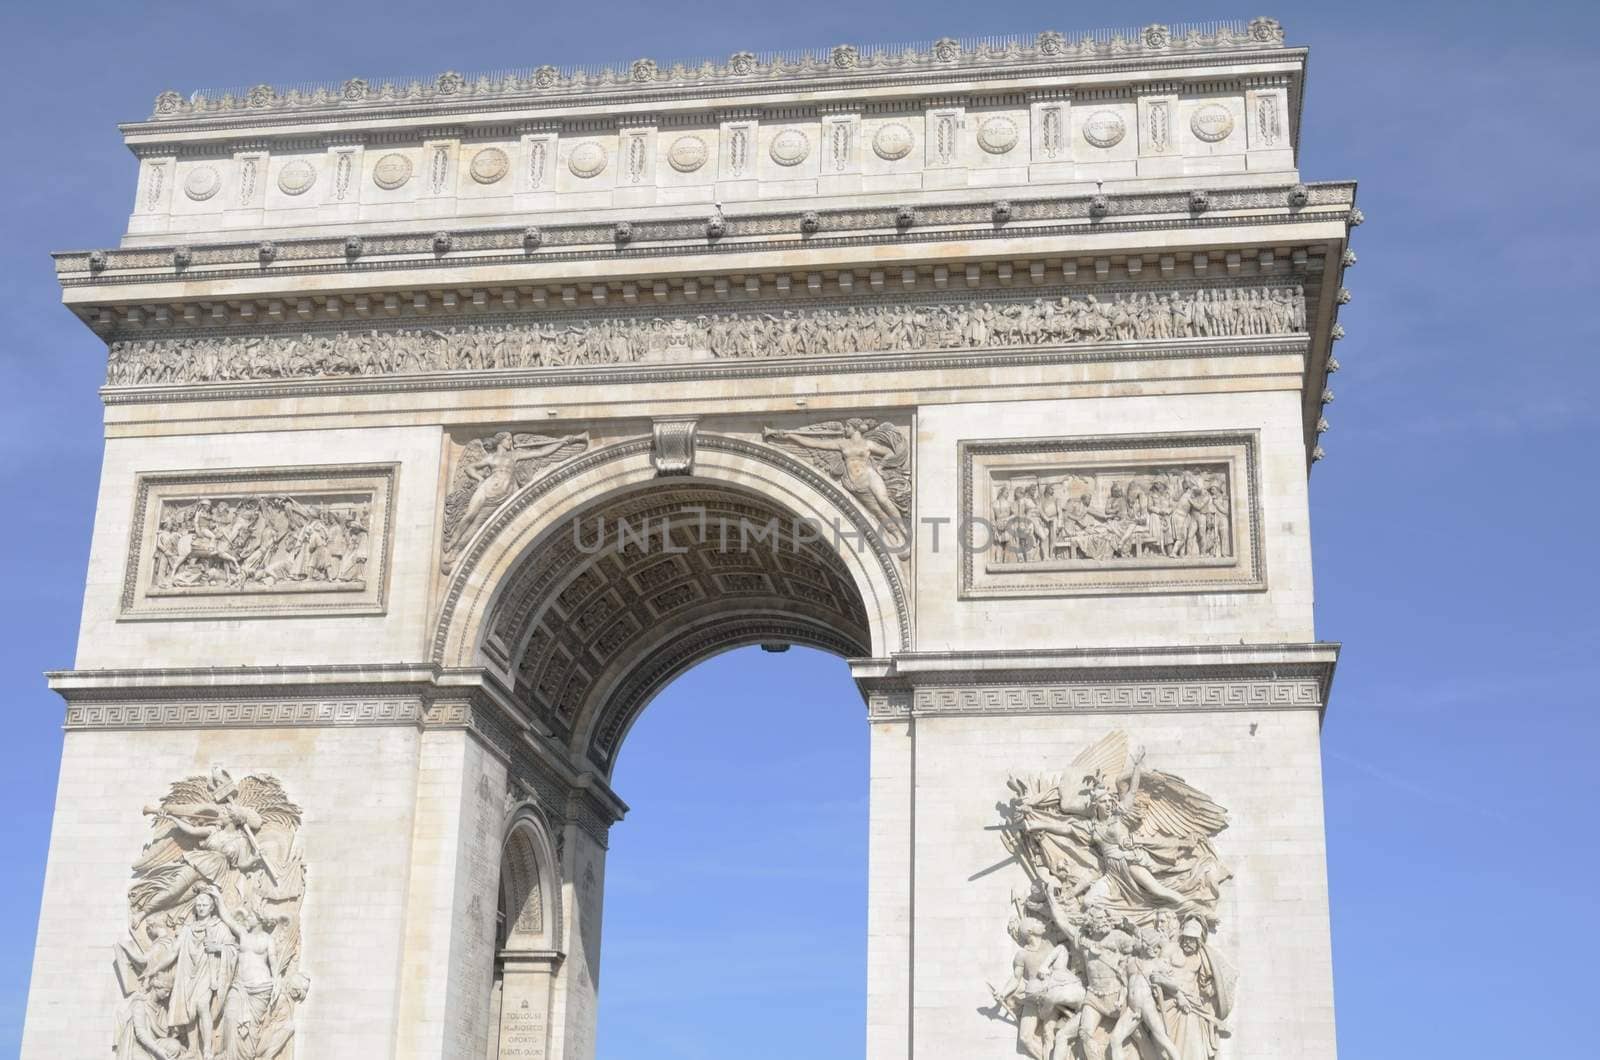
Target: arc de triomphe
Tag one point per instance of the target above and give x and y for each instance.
(448, 421)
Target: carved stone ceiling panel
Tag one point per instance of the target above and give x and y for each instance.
(678, 567)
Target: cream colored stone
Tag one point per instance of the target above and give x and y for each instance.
(644, 297)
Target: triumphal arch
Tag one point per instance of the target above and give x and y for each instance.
(449, 420)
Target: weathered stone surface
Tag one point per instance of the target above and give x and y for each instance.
(444, 429)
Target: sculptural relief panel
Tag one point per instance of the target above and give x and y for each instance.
(259, 542)
(775, 331)
(1113, 514)
(1116, 932)
(210, 966)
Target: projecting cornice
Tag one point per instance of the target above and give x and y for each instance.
(720, 233)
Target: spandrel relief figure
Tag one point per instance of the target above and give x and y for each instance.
(620, 338)
(868, 458)
(216, 899)
(1118, 856)
(488, 472)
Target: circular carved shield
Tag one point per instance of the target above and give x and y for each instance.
(296, 178)
(998, 135)
(893, 142)
(588, 159)
(1105, 128)
(687, 154)
(1211, 123)
(202, 183)
(489, 165)
(392, 171)
(790, 147)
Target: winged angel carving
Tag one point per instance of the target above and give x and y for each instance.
(868, 458)
(211, 965)
(489, 471)
(1115, 959)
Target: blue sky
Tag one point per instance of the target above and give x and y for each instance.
(1454, 520)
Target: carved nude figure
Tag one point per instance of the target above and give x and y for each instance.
(859, 453)
(1041, 985)
(1144, 968)
(256, 986)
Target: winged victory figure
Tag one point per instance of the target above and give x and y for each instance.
(489, 472)
(867, 457)
(1140, 838)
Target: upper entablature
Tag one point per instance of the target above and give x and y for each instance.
(1162, 102)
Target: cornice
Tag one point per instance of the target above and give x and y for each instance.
(644, 81)
(1132, 680)
(1275, 203)
(415, 695)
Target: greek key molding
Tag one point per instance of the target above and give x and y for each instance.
(255, 714)
(1116, 697)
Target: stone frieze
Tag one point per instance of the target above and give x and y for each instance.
(259, 541)
(1113, 514)
(780, 331)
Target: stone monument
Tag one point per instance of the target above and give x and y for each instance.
(447, 422)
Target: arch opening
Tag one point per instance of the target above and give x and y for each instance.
(634, 587)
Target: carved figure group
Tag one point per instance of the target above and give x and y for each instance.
(1115, 953)
(1173, 514)
(259, 543)
(792, 332)
(210, 968)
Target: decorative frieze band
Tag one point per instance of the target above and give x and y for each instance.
(1133, 696)
(581, 241)
(244, 714)
(643, 78)
(1069, 317)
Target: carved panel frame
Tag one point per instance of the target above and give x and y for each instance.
(1235, 454)
(372, 484)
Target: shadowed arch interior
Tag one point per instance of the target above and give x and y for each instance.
(640, 586)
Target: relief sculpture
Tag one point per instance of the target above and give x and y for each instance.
(211, 965)
(262, 543)
(1116, 935)
(1230, 312)
(868, 458)
(488, 472)
(1114, 513)
(1098, 517)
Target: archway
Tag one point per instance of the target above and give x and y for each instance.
(527, 929)
(736, 904)
(589, 592)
